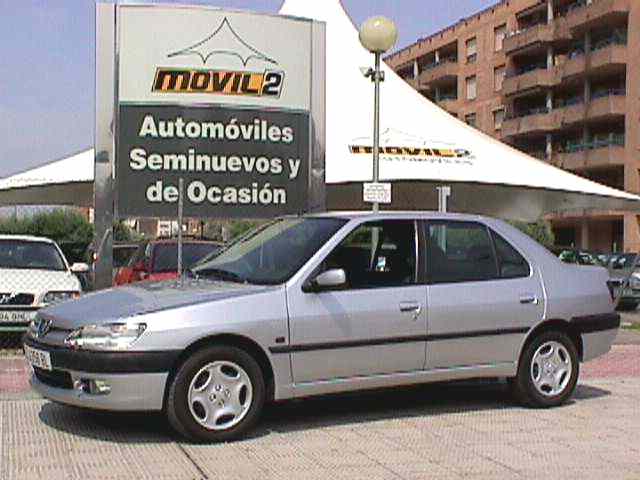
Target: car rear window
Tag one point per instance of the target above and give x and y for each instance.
(165, 255)
(510, 262)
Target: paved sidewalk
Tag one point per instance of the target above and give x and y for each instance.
(435, 432)
(453, 431)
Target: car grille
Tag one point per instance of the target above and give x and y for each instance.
(9, 299)
(54, 378)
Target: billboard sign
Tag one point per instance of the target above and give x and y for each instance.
(231, 102)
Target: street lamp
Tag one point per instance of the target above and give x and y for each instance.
(378, 35)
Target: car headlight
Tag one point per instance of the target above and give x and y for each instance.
(110, 336)
(55, 297)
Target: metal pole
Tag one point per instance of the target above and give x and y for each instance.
(180, 209)
(443, 198)
(106, 97)
(377, 77)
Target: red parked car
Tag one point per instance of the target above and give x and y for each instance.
(158, 260)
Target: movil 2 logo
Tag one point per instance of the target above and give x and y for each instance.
(223, 45)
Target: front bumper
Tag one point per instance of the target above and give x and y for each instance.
(134, 392)
(136, 380)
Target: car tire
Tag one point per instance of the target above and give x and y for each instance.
(216, 395)
(547, 372)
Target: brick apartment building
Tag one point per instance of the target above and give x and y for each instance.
(555, 79)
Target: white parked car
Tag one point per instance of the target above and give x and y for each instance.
(33, 273)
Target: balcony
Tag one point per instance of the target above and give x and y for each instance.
(581, 15)
(600, 153)
(533, 121)
(450, 104)
(608, 58)
(533, 77)
(531, 38)
(445, 71)
(604, 105)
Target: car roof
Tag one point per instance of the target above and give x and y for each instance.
(27, 238)
(421, 214)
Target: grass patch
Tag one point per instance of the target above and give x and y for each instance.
(633, 326)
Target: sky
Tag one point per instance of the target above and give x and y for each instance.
(47, 66)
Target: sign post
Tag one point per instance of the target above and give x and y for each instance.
(232, 103)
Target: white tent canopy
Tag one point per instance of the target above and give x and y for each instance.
(64, 182)
(494, 178)
(423, 146)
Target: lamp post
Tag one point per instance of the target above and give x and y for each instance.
(378, 35)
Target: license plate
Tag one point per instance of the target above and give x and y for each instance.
(38, 358)
(16, 316)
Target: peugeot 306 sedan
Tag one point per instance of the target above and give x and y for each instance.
(329, 303)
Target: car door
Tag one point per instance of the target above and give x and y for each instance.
(483, 296)
(376, 323)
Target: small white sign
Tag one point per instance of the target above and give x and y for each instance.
(377, 192)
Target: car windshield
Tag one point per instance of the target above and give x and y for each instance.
(20, 254)
(272, 253)
(165, 255)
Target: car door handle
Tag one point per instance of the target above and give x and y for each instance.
(526, 299)
(411, 307)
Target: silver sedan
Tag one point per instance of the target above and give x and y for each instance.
(323, 304)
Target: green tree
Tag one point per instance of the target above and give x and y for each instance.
(123, 233)
(540, 231)
(71, 230)
(240, 227)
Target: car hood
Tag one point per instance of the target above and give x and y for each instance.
(37, 282)
(145, 297)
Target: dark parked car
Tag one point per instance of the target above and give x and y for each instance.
(624, 273)
(579, 257)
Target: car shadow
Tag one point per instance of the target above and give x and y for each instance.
(307, 414)
(427, 400)
(116, 427)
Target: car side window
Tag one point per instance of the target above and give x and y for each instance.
(510, 263)
(459, 252)
(377, 254)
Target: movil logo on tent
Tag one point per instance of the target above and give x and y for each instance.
(400, 146)
(224, 46)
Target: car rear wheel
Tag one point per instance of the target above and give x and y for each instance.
(548, 371)
(216, 395)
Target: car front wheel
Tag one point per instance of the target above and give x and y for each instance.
(216, 395)
(548, 371)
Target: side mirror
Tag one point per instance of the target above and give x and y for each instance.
(79, 267)
(329, 280)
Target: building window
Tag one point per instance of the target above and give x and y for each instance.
(498, 34)
(472, 50)
(498, 77)
(470, 119)
(472, 91)
(498, 118)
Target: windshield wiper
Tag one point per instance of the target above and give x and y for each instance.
(221, 274)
